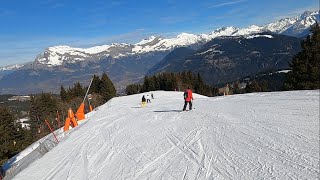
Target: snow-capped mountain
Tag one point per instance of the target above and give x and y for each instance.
(224, 59)
(59, 55)
(295, 26)
(11, 67)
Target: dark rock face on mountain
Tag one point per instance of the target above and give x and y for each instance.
(172, 58)
(226, 59)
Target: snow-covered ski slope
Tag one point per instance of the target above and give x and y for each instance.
(251, 136)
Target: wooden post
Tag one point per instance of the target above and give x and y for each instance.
(58, 120)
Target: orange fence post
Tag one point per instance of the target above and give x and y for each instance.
(69, 119)
(66, 125)
(51, 131)
(80, 112)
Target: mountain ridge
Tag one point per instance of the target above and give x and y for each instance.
(59, 55)
(228, 58)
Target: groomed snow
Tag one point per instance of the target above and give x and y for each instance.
(251, 136)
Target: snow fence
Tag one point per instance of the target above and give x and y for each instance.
(35, 151)
(35, 154)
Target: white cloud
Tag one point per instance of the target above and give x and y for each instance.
(227, 3)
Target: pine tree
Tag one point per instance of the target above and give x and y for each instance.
(95, 86)
(34, 114)
(63, 94)
(173, 81)
(43, 106)
(133, 89)
(199, 85)
(253, 86)
(107, 89)
(78, 90)
(305, 65)
(155, 79)
(147, 84)
(8, 134)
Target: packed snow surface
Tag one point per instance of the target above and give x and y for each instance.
(251, 136)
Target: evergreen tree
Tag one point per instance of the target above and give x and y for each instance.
(305, 65)
(8, 135)
(199, 85)
(253, 86)
(264, 85)
(189, 77)
(215, 91)
(78, 90)
(236, 88)
(155, 79)
(146, 84)
(173, 81)
(43, 106)
(34, 114)
(133, 89)
(95, 84)
(63, 94)
(107, 89)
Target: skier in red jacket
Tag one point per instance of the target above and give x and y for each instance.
(187, 99)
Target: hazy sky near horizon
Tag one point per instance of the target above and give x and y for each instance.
(29, 27)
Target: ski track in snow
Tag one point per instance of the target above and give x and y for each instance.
(251, 136)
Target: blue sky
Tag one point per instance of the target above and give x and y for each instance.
(28, 27)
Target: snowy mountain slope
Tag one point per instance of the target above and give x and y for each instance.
(11, 67)
(294, 26)
(251, 136)
(8, 69)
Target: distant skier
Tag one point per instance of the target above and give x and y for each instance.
(187, 99)
(152, 96)
(148, 98)
(143, 101)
